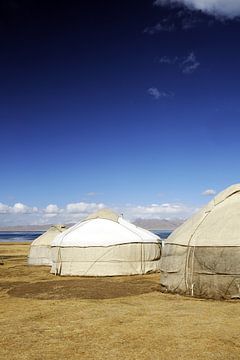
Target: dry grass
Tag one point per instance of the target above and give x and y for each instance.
(48, 317)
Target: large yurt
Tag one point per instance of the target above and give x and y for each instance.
(40, 249)
(105, 244)
(202, 257)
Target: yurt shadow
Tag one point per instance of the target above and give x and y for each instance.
(85, 288)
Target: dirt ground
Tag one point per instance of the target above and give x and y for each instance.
(47, 317)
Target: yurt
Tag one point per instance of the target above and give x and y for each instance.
(104, 244)
(40, 250)
(202, 257)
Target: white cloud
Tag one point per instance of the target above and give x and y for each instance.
(168, 60)
(183, 19)
(187, 64)
(209, 192)
(156, 94)
(91, 193)
(218, 8)
(20, 214)
(165, 210)
(189, 20)
(20, 208)
(4, 209)
(82, 207)
(163, 26)
(17, 208)
(52, 209)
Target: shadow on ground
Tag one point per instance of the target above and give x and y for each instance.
(19, 280)
(82, 288)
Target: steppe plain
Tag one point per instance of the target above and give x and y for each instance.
(43, 316)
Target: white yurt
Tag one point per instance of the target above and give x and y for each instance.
(40, 249)
(202, 257)
(104, 244)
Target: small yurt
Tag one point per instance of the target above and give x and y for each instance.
(40, 250)
(104, 244)
(202, 257)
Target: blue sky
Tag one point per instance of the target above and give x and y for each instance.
(131, 106)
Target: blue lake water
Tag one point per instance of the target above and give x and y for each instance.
(21, 236)
(164, 234)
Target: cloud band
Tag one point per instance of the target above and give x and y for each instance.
(218, 8)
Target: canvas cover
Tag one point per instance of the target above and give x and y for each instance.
(40, 249)
(98, 231)
(105, 244)
(202, 257)
(123, 259)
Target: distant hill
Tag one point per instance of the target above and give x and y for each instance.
(150, 224)
(158, 224)
(25, 228)
(28, 227)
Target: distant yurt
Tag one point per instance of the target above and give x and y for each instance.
(202, 257)
(40, 250)
(104, 244)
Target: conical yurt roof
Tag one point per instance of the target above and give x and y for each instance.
(46, 238)
(217, 224)
(104, 228)
(104, 214)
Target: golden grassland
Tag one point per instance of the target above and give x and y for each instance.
(47, 317)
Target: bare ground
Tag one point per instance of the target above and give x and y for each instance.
(47, 317)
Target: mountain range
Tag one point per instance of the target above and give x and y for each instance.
(150, 224)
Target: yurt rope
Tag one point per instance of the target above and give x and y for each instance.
(142, 251)
(134, 232)
(58, 267)
(188, 273)
(76, 226)
(59, 258)
(59, 262)
(97, 260)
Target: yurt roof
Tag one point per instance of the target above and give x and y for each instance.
(104, 214)
(217, 224)
(104, 228)
(49, 235)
